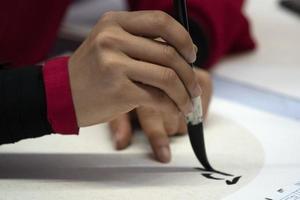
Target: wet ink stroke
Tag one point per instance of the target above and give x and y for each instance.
(213, 176)
(233, 181)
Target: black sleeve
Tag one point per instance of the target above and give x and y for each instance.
(23, 111)
(201, 40)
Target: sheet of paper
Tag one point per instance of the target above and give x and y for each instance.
(74, 167)
(91, 163)
(280, 139)
(290, 192)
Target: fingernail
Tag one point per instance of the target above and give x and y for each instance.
(197, 91)
(196, 49)
(193, 58)
(164, 154)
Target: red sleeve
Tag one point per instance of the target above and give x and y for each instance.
(60, 109)
(226, 27)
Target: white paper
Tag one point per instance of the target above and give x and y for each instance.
(76, 167)
(274, 65)
(290, 192)
(259, 146)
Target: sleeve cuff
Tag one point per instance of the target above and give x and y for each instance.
(60, 109)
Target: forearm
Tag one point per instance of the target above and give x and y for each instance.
(36, 101)
(23, 110)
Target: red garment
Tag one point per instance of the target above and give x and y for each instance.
(60, 108)
(28, 29)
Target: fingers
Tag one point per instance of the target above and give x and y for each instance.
(147, 96)
(164, 79)
(171, 123)
(155, 24)
(175, 124)
(152, 124)
(121, 131)
(204, 79)
(160, 53)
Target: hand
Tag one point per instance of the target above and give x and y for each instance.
(120, 67)
(159, 124)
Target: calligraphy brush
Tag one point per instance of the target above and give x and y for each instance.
(194, 120)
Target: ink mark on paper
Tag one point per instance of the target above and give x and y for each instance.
(219, 176)
(210, 176)
(280, 190)
(233, 181)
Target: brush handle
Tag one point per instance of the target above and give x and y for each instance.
(194, 120)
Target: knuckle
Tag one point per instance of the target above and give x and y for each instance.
(108, 61)
(162, 19)
(169, 53)
(168, 76)
(105, 39)
(107, 16)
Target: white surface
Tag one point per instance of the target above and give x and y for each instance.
(290, 192)
(91, 169)
(280, 138)
(275, 65)
(73, 166)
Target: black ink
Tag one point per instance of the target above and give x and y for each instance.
(196, 136)
(209, 176)
(195, 131)
(280, 190)
(213, 171)
(234, 181)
